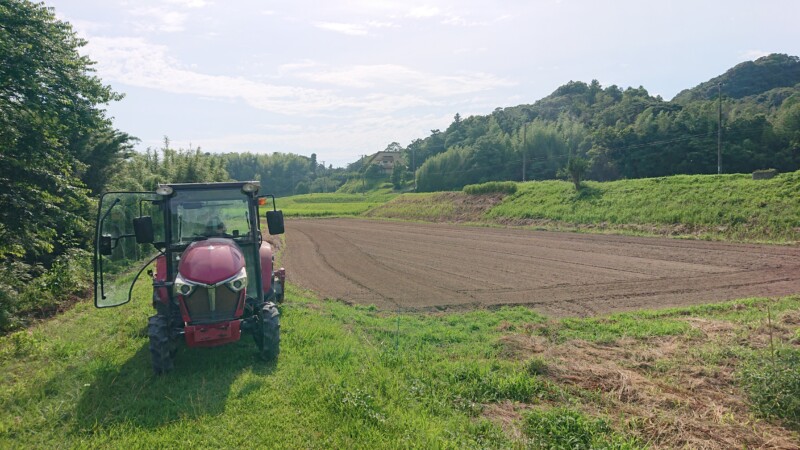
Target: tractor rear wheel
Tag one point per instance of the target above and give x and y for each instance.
(268, 332)
(278, 291)
(161, 348)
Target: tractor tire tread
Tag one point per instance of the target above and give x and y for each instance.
(161, 348)
(268, 332)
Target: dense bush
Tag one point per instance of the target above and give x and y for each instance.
(491, 187)
(28, 291)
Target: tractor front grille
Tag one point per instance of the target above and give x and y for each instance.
(211, 304)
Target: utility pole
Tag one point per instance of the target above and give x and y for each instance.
(414, 165)
(524, 152)
(324, 179)
(719, 129)
(364, 175)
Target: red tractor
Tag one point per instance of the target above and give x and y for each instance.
(214, 275)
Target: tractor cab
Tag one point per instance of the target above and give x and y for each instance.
(213, 276)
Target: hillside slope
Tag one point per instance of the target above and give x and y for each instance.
(748, 78)
(731, 207)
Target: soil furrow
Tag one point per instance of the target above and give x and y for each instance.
(396, 265)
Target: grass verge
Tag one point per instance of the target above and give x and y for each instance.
(732, 207)
(719, 207)
(351, 376)
(334, 204)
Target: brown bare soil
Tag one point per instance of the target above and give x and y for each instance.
(412, 266)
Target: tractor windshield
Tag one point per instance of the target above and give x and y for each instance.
(201, 213)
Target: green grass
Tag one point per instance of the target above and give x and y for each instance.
(772, 382)
(716, 206)
(565, 428)
(347, 377)
(491, 187)
(84, 379)
(723, 207)
(424, 207)
(334, 204)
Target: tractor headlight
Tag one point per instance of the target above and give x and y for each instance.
(183, 286)
(250, 188)
(238, 282)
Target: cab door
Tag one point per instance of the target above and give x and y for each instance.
(130, 232)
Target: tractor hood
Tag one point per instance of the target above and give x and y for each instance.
(211, 261)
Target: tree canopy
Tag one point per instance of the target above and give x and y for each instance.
(55, 139)
(625, 133)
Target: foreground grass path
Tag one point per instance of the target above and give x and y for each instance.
(351, 377)
(84, 380)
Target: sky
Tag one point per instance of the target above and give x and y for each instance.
(347, 78)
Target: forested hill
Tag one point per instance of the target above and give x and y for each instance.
(625, 133)
(748, 78)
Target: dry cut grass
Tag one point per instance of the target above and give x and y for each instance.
(677, 391)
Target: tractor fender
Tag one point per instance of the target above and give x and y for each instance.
(160, 293)
(265, 253)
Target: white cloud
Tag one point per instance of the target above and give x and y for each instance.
(83, 27)
(158, 19)
(424, 12)
(354, 29)
(304, 64)
(753, 54)
(334, 143)
(378, 24)
(190, 3)
(470, 51)
(388, 76)
(351, 29)
(135, 62)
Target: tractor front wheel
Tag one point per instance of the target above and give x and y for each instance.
(161, 350)
(268, 332)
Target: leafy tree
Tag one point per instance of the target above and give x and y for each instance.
(398, 176)
(301, 188)
(373, 172)
(278, 173)
(575, 169)
(394, 147)
(53, 133)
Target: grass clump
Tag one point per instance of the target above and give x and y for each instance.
(566, 428)
(772, 382)
(482, 384)
(491, 187)
(536, 366)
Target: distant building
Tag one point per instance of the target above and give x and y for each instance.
(386, 160)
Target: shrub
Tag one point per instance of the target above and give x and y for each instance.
(492, 187)
(27, 290)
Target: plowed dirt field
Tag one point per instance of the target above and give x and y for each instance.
(411, 266)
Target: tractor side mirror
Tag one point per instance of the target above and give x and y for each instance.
(143, 228)
(275, 222)
(105, 245)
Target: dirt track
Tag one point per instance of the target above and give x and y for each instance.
(411, 266)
